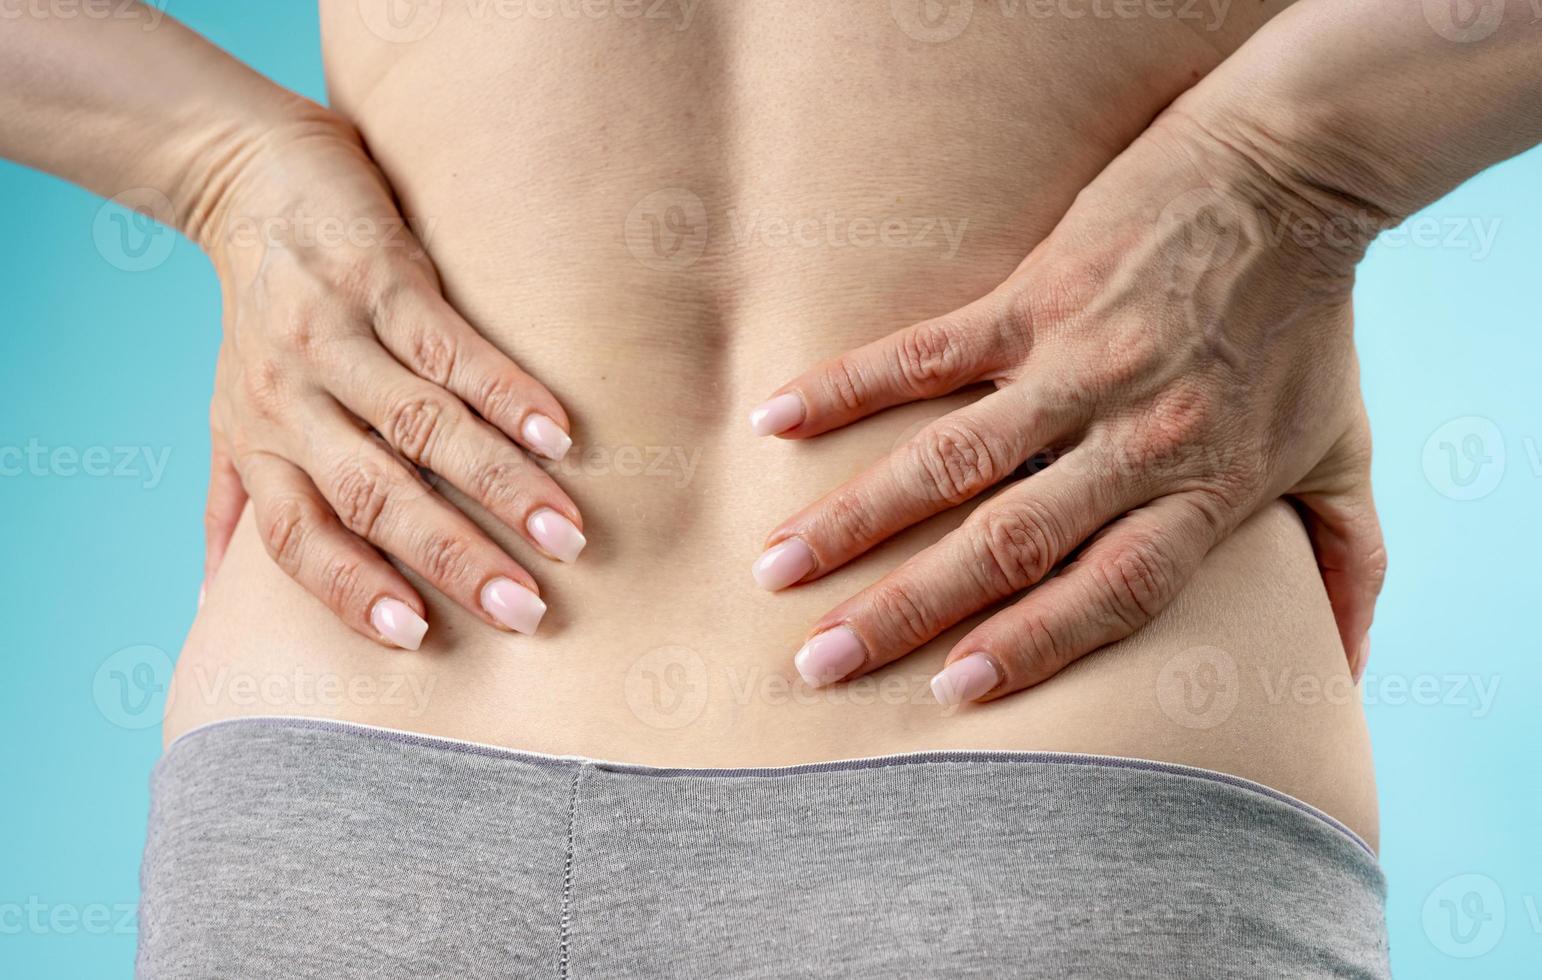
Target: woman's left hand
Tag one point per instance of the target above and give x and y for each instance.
(1182, 345)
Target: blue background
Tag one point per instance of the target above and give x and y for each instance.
(101, 573)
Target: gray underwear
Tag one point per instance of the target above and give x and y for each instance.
(287, 848)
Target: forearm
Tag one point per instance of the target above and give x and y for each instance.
(140, 102)
(1377, 103)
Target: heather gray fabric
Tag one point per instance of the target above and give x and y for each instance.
(282, 848)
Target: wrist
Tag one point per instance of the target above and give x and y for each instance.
(243, 183)
(1373, 110)
(1288, 185)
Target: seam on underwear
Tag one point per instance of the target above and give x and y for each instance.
(567, 877)
(942, 757)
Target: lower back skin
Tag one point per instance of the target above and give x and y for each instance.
(664, 217)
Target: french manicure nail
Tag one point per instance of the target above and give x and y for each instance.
(829, 656)
(782, 565)
(1363, 657)
(513, 605)
(777, 415)
(395, 621)
(556, 534)
(963, 680)
(546, 437)
(203, 591)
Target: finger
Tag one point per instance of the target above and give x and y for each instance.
(927, 360)
(951, 461)
(1116, 586)
(381, 499)
(1346, 537)
(1010, 543)
(423, 331)
(227, 498)
(306, 540)
(431, 428)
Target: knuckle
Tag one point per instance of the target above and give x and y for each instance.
(1137, 582)
(1019, 547)
(498, 485)
(844, 385)
(1376, 566)
(499, 397)
(957, 461)
(431, 355)
(929, 358)
(903, 613)
(360, 499)
(412, 423)
(283, 532)
(445, 558)
(342, 584)
(849, 518)
(1129, 363)
(297, 332)
(1180, 419)
(1038, 653)
(1055, 299)
(263, 390)
(363, 281)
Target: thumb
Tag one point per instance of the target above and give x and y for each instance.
(1341, 521)
(227, 498)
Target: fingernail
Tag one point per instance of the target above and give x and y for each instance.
(546, 437)
(829, 656)
(781, 565)
(556, 534)
(777, 415)
(1363, 657)
(396, 622)
(203, 590)
(513, 605)
(963, 680)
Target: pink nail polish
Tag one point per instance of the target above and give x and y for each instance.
(782, 565)
(395, 621)
(546, 437)
(513, 605)
(777, 415)
(965, 680)
(829, 657)
(556, 534)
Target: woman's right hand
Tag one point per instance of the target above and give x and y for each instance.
(342, 371)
